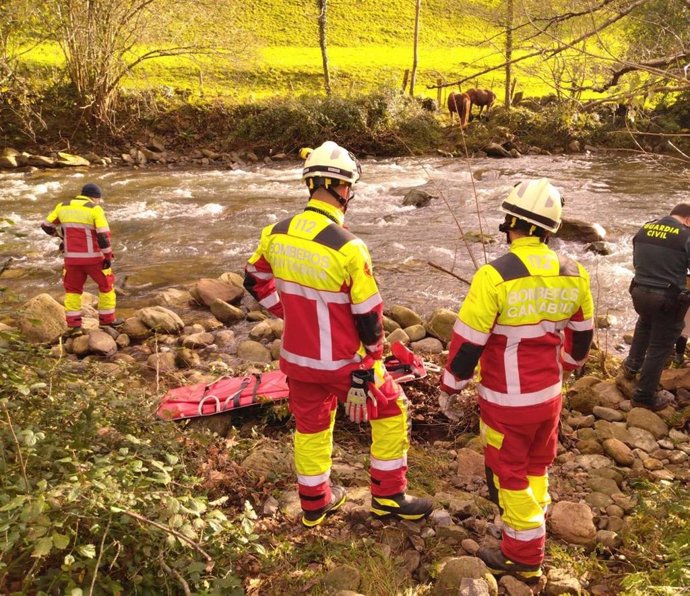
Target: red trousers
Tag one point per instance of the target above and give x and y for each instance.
(73, 280)
(313, 406)
(518, 449)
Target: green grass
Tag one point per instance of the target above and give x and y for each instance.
(370, 47)
(284, 71)
(353, 23)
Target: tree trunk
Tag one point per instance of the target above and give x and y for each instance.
(413, 78)
(323, 6)
(509, 51)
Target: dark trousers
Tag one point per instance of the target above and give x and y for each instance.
(658, 326)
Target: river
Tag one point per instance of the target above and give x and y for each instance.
(171, 227)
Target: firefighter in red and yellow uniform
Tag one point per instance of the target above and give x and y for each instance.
(526, 319)
(317, 276)
(87, 252)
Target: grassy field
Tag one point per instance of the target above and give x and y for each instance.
(286, 70)
(370, 47)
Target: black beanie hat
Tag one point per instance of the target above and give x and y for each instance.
(91, 190)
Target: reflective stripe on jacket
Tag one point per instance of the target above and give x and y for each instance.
(318, 276)
(81, 221)
(527, 315)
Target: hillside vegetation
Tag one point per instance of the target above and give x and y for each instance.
(370, 47)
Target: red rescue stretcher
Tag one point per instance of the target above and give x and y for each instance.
(232, 393)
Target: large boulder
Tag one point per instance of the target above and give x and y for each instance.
(649, 421)
(172, 297)
(580, 231)
(67, 160)
(233, 278)
(417, 198)
(101, 343)
(135, 328)
(41, 161)
(226, 313)
(405, 317)
(207, 290)
(673, 379)
(160, 318)
(573, 523)
(453, 570)
(440, 324)
(8, 161)
(253, 351)
(42, 319)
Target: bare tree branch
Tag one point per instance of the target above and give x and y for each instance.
(649, 66)
(546, 55)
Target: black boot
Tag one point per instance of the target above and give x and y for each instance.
(401, 506)
(499, 564)
(315, 517)
(73, 332)
(115, 324)
(659, 401)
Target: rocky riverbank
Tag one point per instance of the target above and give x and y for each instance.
(607, 450)
(380, 124)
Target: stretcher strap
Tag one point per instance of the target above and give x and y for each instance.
(236, 398)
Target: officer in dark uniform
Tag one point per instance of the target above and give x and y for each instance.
(661, 257)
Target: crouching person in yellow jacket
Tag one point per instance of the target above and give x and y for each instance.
(526, 319)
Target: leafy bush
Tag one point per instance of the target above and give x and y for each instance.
(659, 541)
(97, 495)
(385, 123)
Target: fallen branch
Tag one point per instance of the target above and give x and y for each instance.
(22, 463)
(100, 556)
(175, 533)
(455, 275)
(176, 575)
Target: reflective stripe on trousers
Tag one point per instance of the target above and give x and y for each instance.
(517, 457)
(73, 280)
(313, 406)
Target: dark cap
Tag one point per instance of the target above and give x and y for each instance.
(91, 190)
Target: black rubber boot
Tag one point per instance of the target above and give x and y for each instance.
(116, 323)
(661, 399)
(401, 506)
(628, 374)
(316, 517)
(73, 332)
(499, 564)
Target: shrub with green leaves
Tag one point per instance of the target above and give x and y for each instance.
(382, 123)
(98, 496)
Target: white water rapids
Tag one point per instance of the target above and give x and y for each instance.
(172, 227)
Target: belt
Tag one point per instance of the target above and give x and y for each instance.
(648, 288)
(652, 290)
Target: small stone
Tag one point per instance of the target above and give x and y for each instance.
(609, 539)
(469, 546)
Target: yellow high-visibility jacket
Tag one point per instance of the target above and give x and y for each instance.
(316, 275)
(86, 234)
(527, 316)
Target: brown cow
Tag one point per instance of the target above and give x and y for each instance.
(460, 104)
(484, 98)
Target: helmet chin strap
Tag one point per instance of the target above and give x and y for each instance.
(327, 184)
(344, 202)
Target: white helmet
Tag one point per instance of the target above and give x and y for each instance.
(537, 202)
(330, 160)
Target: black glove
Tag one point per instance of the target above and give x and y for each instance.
(106, 264)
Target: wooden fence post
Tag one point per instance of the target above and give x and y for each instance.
(405, 77)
